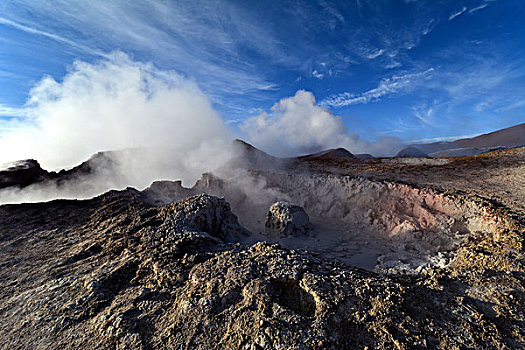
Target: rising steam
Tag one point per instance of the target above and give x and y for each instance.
(159, 123)
(110, 105)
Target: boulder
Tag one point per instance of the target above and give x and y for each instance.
(288, 219)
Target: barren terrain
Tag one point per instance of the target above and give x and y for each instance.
(399, 253)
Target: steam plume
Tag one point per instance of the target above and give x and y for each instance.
(160, 125)
(110, 105)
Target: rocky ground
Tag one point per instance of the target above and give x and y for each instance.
(173, 268)
(498, 175)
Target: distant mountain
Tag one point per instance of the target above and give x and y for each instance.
(460, 152)
(247, 150)
(364, 156)
(504, 138)
(412, 151)
(329, 154)
(248, 156)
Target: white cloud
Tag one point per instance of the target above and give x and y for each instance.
(375, 54)
(395, 84)
(6, 111)
(317, 74)
(456, 14)
(297, 125)
(480, 7)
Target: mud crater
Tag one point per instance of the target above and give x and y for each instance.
(376, 225)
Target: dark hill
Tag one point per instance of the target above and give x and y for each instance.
(330, 154)
(411, 151)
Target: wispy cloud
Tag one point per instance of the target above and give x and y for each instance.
(487, 83)
(424, 114)
(12, 75)
(52, 36)
(480, 7)
(460, 98)
(375, 54)
(448, 138)
(209, 40)
(456, 14)
(6, 111)
(511, 106)
(333, 12)
(178, 37)
(317, 74)
(395, 84)
(237, 54)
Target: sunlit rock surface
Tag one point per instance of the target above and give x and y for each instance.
(287, 219)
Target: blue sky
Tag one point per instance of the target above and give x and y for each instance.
(411, 69)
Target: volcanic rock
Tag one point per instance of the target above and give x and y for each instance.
(115, 272)
(287, 219)
(22, 173)
(364, 156)
(169, 267)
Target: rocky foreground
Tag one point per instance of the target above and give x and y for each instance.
(119, 271)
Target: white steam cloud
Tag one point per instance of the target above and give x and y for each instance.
(157, 124)
(110, 105)
(297, 125)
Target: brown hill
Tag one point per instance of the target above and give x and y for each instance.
(508, 137)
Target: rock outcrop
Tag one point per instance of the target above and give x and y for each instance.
(287, 219)
(22, 173)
